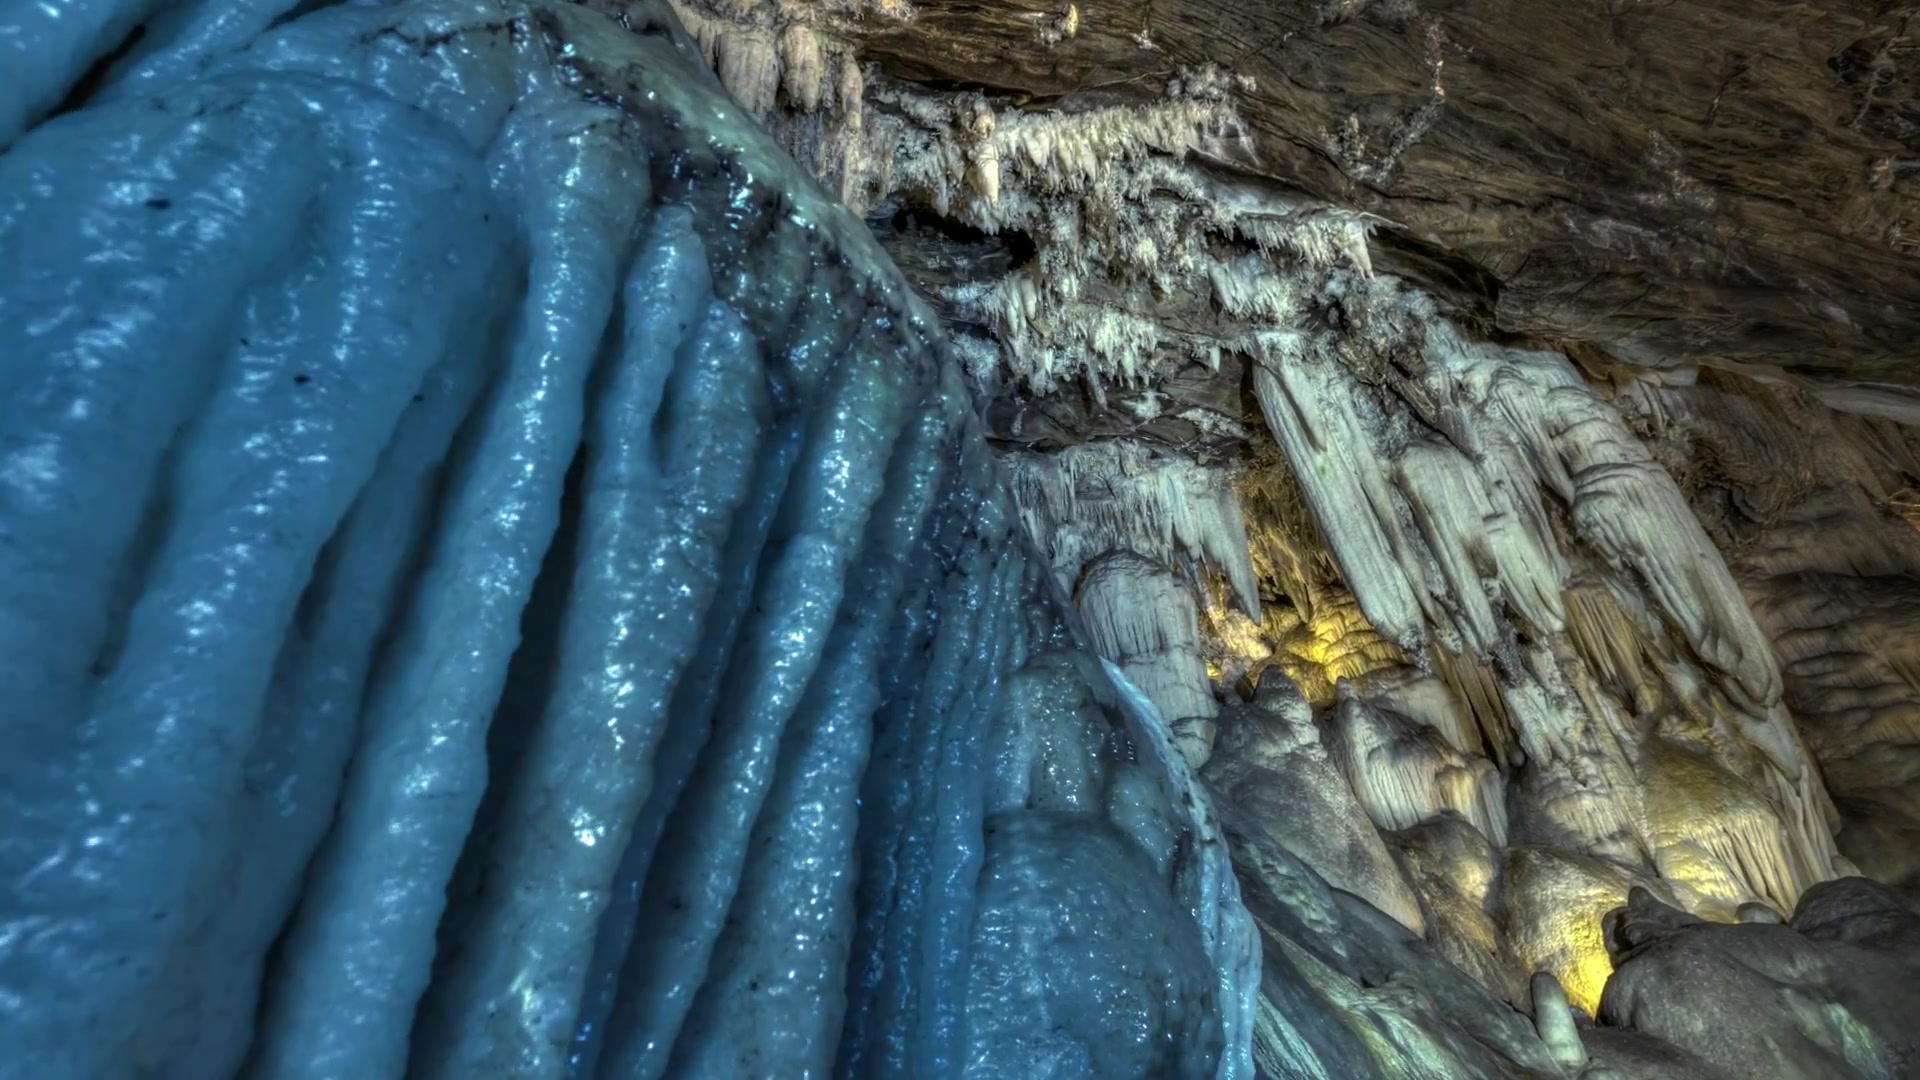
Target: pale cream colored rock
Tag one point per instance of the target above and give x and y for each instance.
(1142, 618)
(1270, 764)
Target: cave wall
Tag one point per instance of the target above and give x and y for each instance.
(580, 610)
(503, 578)
(1811, 507)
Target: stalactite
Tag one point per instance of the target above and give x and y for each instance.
(1405, 773)
(1141, 617)
(1277, 775)
(1117, 496)
(1450, 544)
(1800, 498)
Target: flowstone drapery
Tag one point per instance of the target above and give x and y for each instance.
(501, 578)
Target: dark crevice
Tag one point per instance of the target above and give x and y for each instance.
(929, 246)
(96, 76)
(130, 580)
(523, 703)
(304, 8)
(443, 486)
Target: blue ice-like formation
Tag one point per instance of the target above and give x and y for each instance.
(498, 577)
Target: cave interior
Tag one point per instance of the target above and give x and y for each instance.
(1025, 540)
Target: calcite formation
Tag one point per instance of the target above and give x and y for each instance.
(503, 578)
(1539, 655)
(760, 538)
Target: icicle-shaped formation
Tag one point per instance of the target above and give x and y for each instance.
(1141, 618)
(502, 579)
(1715, 835)
(1493, 515)
(1095, 498)
(769, 52)
(1404, 774)
(1816, 512)
(1276, 777)
(1318, 635)
(1121, 219)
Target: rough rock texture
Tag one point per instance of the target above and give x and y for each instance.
(1808, 505)
(1420, 284)
(1706, 179)
(1490, 418)
(1271, 766)
(1772, 1000)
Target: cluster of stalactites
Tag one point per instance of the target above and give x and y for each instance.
(1477, 512)
(1118, 523)
(1141, 616)
(1498, 520)
(1816, 511)
(1127, 233)
(1312, 627)
(773, 53)
(1121, 216)
(1088, 500)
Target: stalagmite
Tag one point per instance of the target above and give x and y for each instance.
(1206, 883)
(500, 574)
(1457, 874)
(1554, 1017)
(1554, 906)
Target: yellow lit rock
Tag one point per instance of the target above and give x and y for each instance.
(1555, 901)
(1715, 835)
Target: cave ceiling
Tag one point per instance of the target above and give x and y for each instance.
(1694, 183)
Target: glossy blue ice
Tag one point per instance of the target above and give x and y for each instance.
(499, 577)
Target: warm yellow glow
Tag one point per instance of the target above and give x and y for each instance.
(1555, 903)
(1586, 976)
(1715, 837)
(1906, 503)
(1336, 643)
